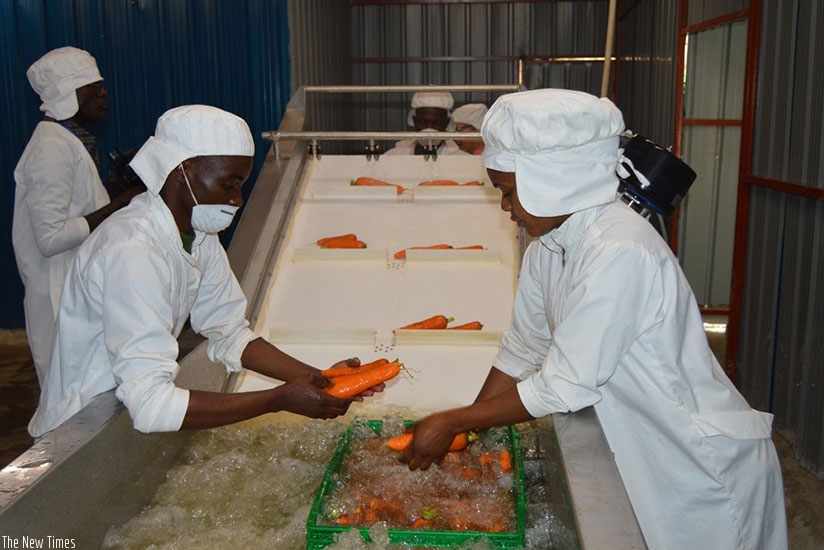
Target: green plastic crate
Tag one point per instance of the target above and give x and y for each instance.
(320, 536)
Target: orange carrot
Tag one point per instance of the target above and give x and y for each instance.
(421, 523)
(401, 442)
(470, 247)
(344, 243)
(472, 183)
(353, 384)
(474, 325)
(432, 183)
(372, 182)
(335, 372)
(435, 322)
(505, 460)
(347, 237)
(401, 254)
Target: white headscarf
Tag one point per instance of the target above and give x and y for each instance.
(56, 77)
(439, 100)
(471, 113)
(186, 132)
(562, 146)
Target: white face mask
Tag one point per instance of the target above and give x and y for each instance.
(425, 142)
(210, 218)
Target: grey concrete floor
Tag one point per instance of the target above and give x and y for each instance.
(804, 493)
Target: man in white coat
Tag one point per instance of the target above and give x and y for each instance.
(152, 265)
(59, 198)
(430, 113)
(604, 317)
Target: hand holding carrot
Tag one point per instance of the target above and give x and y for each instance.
(433, 436)
(305, 395)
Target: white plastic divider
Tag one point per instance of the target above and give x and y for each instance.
(446, 337)
(313, 253)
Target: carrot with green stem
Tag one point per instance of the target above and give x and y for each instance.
(353, 384)
(434, 322)
(364, 181)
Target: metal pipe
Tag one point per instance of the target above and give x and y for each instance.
(275, 136)
(608, 49)
(422, 88)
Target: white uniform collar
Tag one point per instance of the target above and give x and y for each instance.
(571, 231)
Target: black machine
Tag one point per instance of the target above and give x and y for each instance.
(122, 171)
(653, 181)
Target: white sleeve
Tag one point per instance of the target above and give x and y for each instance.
(526, 343)
(613, 297)
(138, 316)
(219, 311)
(50, 181)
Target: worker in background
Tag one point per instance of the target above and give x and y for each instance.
(468, 118)
(604, 317)
(137, 279)
(429, 113)
(59, 197)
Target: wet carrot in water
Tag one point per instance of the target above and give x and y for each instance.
(505, 460)
(401, 254)
(474, 325)
(401, 442)
(347, 237)
(336, 372)
(372, 182)
(353, 384)
(421, 523)
(434, 322)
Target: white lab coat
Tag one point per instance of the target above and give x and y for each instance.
(605, 317)
(407, 147)
(56, 185)
(127, 296)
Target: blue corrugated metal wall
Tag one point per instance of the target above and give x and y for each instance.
(153, 55)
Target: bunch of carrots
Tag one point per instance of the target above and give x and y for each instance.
(437, 322)
(350, 240)
(401, 254)
(351, 381)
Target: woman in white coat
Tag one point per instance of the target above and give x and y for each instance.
(604, 317)
(59, 198)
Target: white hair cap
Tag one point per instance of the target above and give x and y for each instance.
(439, 100)
(562, 146)
(56, 77)
(471, 113)
(186, 132)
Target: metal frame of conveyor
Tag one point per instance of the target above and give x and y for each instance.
(96, 471)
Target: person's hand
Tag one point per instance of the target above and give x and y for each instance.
(433, 436)
(304, 395)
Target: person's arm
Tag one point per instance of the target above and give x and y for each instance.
(434, 434)
(95, 218)
(303, 395)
